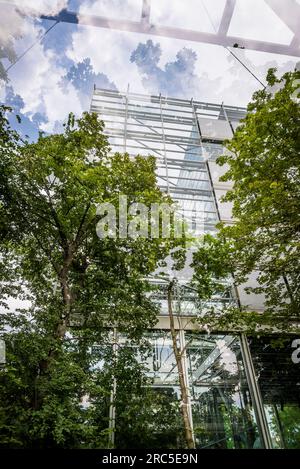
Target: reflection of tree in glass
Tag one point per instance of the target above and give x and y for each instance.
(145, 417)
(222, 405)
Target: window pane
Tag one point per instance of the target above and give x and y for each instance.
(279, 381)
(223, 415)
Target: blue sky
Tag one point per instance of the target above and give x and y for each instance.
(58, 74)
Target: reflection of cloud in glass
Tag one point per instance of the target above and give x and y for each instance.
(125, 9)
(236, 396)
(177, 78)
(227, 357)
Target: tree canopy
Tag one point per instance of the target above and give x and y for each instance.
(77, 284)
(264, 166)
(79, 287)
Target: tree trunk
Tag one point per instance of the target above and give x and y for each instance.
(288, 288)
(66, 294)
(61, 327)
(182, 384)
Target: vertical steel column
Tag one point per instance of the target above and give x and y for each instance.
(236, 290)
(164, 143)
(227, 119)
(146, 7)
(184, 357)
(186, 376)
(255, 394)
(112, 406)
(126, 119)
(206, 164)
(2, 352)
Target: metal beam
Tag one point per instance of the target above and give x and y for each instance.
(288, 11)
(255, 394)
(290, 15)
(226, 17)
(145, 27)
(212, 357)
(146, 11)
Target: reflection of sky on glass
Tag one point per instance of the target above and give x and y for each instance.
(57, 75)
(264, 24)
(227, 357)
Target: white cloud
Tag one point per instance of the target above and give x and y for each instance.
(36, 78)
(58, 103)
(193, 14)
(12, 22)
(110, 49)
(37, 75)
(39, 7)
(125, 9)
(109, 52)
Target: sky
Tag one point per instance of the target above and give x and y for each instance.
(57, 75)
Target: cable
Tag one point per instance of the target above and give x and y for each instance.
(39, 39)
(245, 66)
(230, 51)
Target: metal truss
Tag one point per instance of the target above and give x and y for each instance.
(183, 135)
(169, 129)
(287, 10)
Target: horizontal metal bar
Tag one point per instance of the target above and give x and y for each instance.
(145, 27)
(169, 101)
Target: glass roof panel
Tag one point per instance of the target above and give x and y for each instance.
(259, 22)
(125, 9)
(187, 15)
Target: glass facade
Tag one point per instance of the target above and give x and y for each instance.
(279, 381)
(183, 135)
(242, 393)
(221, 406)
(223, 414)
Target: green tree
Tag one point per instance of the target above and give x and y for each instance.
(264, 166)
(146, 417)
(78, 285)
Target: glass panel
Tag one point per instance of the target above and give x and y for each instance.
(127, 9)
(162, 372)
(279, 381)
(187, 302)
(223, 415)
(167, 129)
(195, 17)
(147, 398)
(214, 129)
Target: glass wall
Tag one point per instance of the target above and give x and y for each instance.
(147, 398)
(182, 134)
(279, 381)
(163, 379)
(186, 137)
(223, 414)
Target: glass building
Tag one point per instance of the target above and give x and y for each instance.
(243, 392)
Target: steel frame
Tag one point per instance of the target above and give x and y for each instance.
(169, 129)
(290, 16)
(150, 114)
(255, 393)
